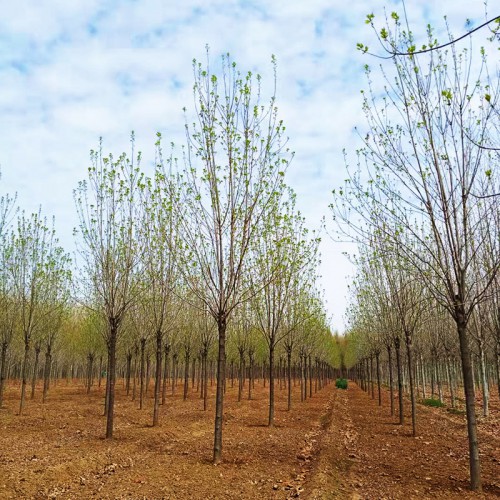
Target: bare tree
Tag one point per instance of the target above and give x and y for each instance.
(108, 209)
(234, 164)
(426, 177)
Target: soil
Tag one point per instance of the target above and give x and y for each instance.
(337, 444)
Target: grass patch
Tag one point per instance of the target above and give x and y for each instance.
(341, 383)
(435, 403)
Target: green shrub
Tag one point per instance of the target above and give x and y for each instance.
(341, 383)
(436, 403)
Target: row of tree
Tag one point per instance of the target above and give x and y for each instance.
(424, 207)
(203, 247)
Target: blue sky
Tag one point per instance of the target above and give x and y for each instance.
(72, 71)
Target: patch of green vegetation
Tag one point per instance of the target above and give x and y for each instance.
(341, 383)
(436, 403)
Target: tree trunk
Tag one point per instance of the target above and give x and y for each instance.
(165, 375)
(411, 378)
(219, 397)
(450, 382)
(148, 372)
(372, 382)
(100, 372)
(377, 359)
(90, 368)
(35, 370)
(3, 370)
(187, 355)
(129, 372)
(111, 376)
(310, 377)
(24, 370)
(397, 345)
(250, 374)
(484, 380)
(474, 462)
(156, 405)
(143, 366)
(241, 372)
(205, 379)
(289, 376)
(46, 372)
(424, 381)
(270, 421)
(134, 382)
(391, 381)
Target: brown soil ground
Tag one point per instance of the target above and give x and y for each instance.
(337, 444)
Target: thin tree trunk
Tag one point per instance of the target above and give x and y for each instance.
(219, 397)
(3, 370)
(156, 405)
(310, 378)
(90, 368)
(484, 380)
(289, 376)
(397, 345)
(474, 461)
(111, 376)
(270, 421)
(450, 382)
(24, 371)
(205, 380)
(391, 381)
(165, 375)
(186, 373)
(143, 366)
(129, 370)
(411, 378)
(46, 372)
(250, 374)
(377, 359)
(35, 370)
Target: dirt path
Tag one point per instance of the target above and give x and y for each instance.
(363, 453)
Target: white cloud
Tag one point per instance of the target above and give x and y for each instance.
(71, 71)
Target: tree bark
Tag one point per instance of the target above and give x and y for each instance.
(411, 378)
(35, 370)
(474, 461)
(24, 370)
(111, 376)
(3, 370)
(156, 405)
(289, 377)
(270, 421)
(397, 345)
(143, 366)
(219, 397)
(391, 381)
(46, 372)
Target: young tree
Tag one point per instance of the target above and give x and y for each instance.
(108, 209)
(425, 166)
(38, 264)
(158, 237)
(234, 164)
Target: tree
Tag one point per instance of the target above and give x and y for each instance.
(234, 163)
(427, 177)
(158, 237)
(38, 266)
(284, 260)
(108, 210)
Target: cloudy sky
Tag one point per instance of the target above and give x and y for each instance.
(74, 70)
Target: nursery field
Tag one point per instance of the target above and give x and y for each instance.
(337, 444)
